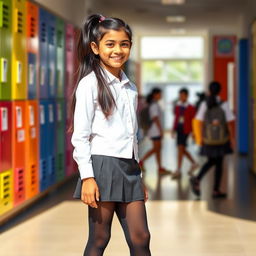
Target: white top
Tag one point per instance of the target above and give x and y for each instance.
(203, 107)
(154, 111)
(93, 133)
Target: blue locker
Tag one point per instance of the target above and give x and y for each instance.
(243, 97)
(43, 116)
(52, 48)
(32, 76)
(51, 141)
(43, 51)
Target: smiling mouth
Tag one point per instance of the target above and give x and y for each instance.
(117, 58)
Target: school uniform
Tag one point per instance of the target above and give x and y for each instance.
(107, 149)
(154, 132)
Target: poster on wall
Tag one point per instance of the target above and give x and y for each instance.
(225, 46)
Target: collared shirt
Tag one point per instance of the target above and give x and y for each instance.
(93, 133)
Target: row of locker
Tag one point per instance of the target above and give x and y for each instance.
(36, 52)
(35, 148)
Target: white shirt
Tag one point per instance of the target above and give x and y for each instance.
(203, 107)
(93, 133)
(154, 111)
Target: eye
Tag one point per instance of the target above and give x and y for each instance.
(125, 44)
(109, 44)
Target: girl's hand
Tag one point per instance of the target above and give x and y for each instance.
(145, 193)
(173, 133)
(90, 192)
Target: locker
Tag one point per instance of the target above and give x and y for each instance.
(60, 139)
(19, 66)
(60, 28)
(5, 135)
(18, 152)
(32, 49)
(51, 142)
(70, 41)
(51, 30)
(32, 148)
(6, 191)
(5, 49)
(43, 51)
(43, 141)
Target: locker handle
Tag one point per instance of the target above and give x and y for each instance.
(3, 70)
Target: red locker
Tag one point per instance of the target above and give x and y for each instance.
(32, 148)
(18, 153)
(5, 135)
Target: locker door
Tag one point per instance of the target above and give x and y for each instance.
(60, 57)
(32, 49)
(43, 50)
(5, 49)
(5, 135)
(19, 66)
(32, 149)
(52, 77)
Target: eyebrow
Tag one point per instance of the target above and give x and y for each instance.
(112, 41)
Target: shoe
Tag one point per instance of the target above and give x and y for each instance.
(176, 175)
(218, 195)
(163, 171)
(193, 168)
(195, 185)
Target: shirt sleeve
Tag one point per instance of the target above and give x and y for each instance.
(83, 116)
(201, 112)
(229, 114)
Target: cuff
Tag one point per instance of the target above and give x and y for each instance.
(86, 171)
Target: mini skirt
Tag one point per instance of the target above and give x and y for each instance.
(118, 179)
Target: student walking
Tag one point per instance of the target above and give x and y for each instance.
(155, 131)
(182, 127)
(104, 137)
(217, 138)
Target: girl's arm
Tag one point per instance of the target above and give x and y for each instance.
(231, 129)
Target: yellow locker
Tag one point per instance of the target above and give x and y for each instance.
(6, 191)
(19, 65)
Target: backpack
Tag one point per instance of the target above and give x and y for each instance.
(215, 129)
(144, 119)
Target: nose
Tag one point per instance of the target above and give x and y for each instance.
(117, 48)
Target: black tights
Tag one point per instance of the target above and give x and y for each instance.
(217, 162)
(133, 219)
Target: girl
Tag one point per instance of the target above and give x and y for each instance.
(155, 132)
(104, 137)
(213, 107)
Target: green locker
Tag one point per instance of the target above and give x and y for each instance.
(5, 49)
(60, 29)
(60, 137)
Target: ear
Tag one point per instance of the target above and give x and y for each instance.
(95, 48)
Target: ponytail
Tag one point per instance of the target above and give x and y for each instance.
(93, 30)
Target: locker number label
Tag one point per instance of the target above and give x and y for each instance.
(20, 135)
(18, 117)
(4, 70)
(33, 132)
(42, 115)
(31, 116)
(4, 117)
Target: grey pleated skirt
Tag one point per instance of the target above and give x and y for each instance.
(118, 179)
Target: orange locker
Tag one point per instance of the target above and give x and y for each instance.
(32, 49)
(18, 142)
(6, 191)
(32, 148)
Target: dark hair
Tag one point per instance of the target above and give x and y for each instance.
(93, 30)
(214, 90)
(184, 90)
(154, 91)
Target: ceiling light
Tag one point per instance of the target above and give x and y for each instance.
(177, 19)
(173, 1)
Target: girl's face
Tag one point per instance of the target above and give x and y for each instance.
(114, 50)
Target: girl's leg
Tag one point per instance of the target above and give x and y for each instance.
(100, 220)
(218, 174)
(133, 219)
(206, 167)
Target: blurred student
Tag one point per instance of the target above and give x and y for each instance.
(155, 129)
(217, 138)
(182, 127)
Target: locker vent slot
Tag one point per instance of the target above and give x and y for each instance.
(20, 22)
(52, 36)
(43, 32)
(6, 16)
(32, 27)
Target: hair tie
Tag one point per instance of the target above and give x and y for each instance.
(102, 18)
